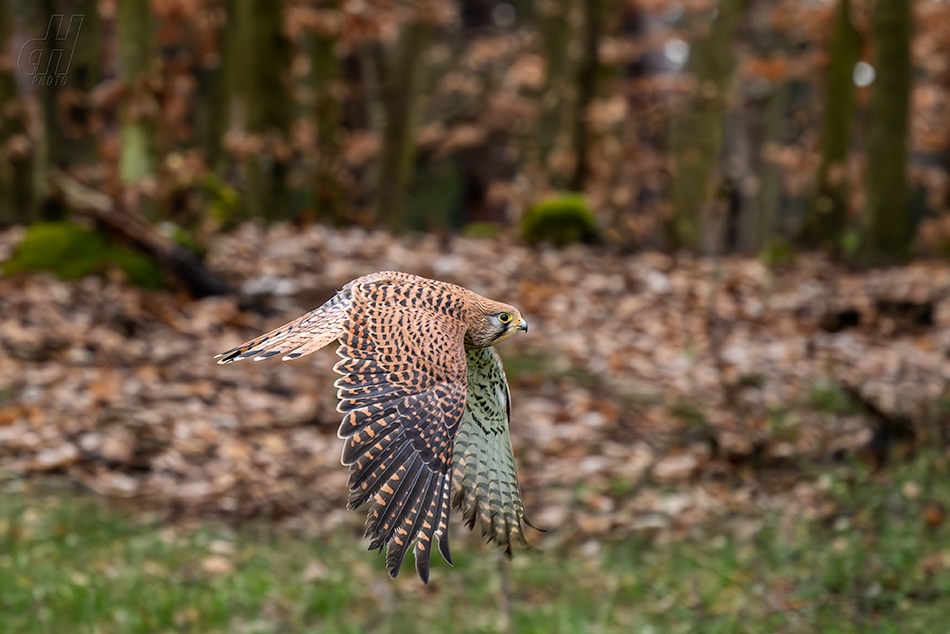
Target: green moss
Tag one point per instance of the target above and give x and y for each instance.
(481, 230)
(72, 252)
(776, 253)
(830, 397)
(188, 239)
(224, 200)
(688, 412)
(561, 220)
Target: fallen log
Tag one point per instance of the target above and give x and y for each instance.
(175, 260)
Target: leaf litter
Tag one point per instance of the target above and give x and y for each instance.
(653, 393)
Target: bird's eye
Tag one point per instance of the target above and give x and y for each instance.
(504, 317)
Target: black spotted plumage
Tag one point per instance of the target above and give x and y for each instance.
(424, 402)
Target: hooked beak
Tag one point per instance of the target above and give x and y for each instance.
(522, 325)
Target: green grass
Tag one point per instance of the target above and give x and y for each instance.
(873, 560)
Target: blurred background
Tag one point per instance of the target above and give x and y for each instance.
(720, 127)
(726, 223)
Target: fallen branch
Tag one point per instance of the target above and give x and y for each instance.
(174, 259)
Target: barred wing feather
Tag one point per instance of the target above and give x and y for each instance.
(402, 394)
(300, 337)
(486, 484)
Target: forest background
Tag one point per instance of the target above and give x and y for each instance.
(726, 223)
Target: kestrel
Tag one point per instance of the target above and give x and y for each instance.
(425, 402)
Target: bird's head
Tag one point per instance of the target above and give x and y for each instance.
(491, 322)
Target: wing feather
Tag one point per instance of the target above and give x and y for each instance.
(302, 336)
(407, 530)
(434, 528)
(483, 467)
(386, 517)
(360, 441)
(365, 481)
(402, 393)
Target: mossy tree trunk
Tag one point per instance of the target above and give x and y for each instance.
(139, 109)
(260, 72)
(887, 228)
(16, 147)
(827, 213)
(401, 84)
(696, 136)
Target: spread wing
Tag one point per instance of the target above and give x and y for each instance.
(302, 336)
(403, 393)
(484, 463)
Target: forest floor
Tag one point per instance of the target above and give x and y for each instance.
(655, 396)
(70, 564)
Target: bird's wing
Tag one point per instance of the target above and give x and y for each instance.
(403, 393)
(302, 336)
(483, 462)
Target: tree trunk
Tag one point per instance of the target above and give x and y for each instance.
(138, 110)
(261, 73)
(65, 92)
(328, 196)
(212, 106)
(696, 136)
(827, 213)
(553, 19)
(401, 86)
(769, 199)
(587, 73)
(887, 229)
(16, 147)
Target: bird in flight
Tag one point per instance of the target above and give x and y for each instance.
(425, 406)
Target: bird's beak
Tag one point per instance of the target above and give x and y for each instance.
(522, 324)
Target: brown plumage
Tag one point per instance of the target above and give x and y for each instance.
(424, 400)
